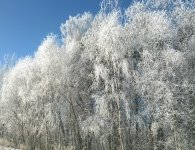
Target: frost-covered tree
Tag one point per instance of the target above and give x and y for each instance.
(119, 80)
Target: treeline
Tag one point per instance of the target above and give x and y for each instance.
(119, 80)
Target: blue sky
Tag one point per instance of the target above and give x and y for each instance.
(25, 23)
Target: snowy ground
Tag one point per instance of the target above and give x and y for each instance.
(5, 148)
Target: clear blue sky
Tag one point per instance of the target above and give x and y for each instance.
(25, 23)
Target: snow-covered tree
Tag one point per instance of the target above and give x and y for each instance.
(117, 80)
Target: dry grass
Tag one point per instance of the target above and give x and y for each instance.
(64, 148)
(5, 143)
(23, 147)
